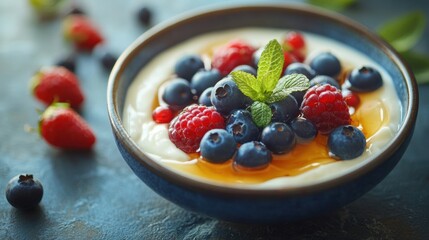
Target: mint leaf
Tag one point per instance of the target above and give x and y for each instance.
(419, 64)
(333, 4)
(270, 66)
(261, 113)
(404, 32)
(247, 84)
(288, 84)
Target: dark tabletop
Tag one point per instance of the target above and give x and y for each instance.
(95, 195)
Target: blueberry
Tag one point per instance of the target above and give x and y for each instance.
(299, 96)
(187, 66)
(204, 79)
(24, 191)
(305, 131)
(177, 94)
(256, 56)
(365, 79)
(326, 64)
(323, 79)
(301, 68)
(242, 127)
(252, 155)
(245, 68)
(108, 60)
(75, 10)
(68, 62)
(285, 110)
(217, 146)
(346, 142)
(278, 137)
(144, 15)
(227, 97)
(204, 98)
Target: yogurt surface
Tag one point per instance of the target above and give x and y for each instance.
(152, 138)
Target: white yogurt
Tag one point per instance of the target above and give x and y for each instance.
(152, 138)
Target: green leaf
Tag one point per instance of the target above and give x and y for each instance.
(336, 5)
(404, 32)
(287, 85)
(419, 64)
(247, 84)
(270, 66)
(261, 113)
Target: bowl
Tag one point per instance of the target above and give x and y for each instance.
(241, 204)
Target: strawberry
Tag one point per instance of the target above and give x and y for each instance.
(61, 127)
(82, 32)
(57, 84)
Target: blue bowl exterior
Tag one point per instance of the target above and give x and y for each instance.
(259, 207)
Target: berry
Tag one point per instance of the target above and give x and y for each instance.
(299, 96)
(74, 9)
(325, 107)
(57, 84)
(217, 146)
(231, 55)
(62, 127)
(24, 192)
(278, 137)
(187, 66)
(289, 58)
(204, 79)
(252, 156)
(68, 62)
(299, 55)
(188, 128)
(301, 68)
(204, 98)
(365, 79)
(256, 56)
(82, 32)
(295, 40)
(177, 94)
(241, 126)
(284, 110)
(346, 142)
(352, 99)
(245, 68)
(227, 97)
(322, 79)
(305, 131)
(144, 15)
(326, 64)
(162, 114)
(108, 60)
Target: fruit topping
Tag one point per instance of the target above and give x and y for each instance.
(323, 79)
(285, 110)
(326, 64)
(227, 97)
(252, 156)
(24, 192)
(231, 55)
(187, 129)
(177, 94)
(217, 146)
(162, 114)
(204, 79)
(305, 131)
(301, 68)
(278, 137)
(351, 98)
(245, 68)
(241, 126)
(204, 98)
(365, 79)
(187, 66)
(295, 40)
(346, 142)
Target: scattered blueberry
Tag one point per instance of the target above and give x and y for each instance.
(245, 68)
(305, 131)
(227, 97)
(144, 15)
(108, 60)
(68, 62)
(204, 79)
(217, 146)
(187, 66)
(177, 94)
(278, 137)
(204, 98)
(365, 79)
(252, 155)
(301, 68)
(24, 191)
(326, 64)
(75, 10)
(346, 142)
(242, 127)
(323, 79)
(285, 110)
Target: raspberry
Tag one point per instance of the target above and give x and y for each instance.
(325, 107)
(231, 55)
(188, 128)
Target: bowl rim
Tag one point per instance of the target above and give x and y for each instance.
(239, 191)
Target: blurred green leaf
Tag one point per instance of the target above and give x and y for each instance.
(336, 5)
(405, 31)
(419, 64)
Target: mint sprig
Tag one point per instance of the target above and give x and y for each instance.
(268, 87)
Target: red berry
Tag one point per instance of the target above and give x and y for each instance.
(288, 59)
(82, 32)
(299, 55)
(295, 40)
(188, 128)
(325, 107)
(57, 84)
(162, 114)
(231, 55)
(352, 99)
(63, 128)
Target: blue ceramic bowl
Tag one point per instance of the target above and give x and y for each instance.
(260, 205)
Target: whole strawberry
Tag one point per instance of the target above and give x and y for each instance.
(57, 84)
(82, 32)
(61, 127)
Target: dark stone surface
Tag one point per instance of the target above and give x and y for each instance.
(95, 195)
